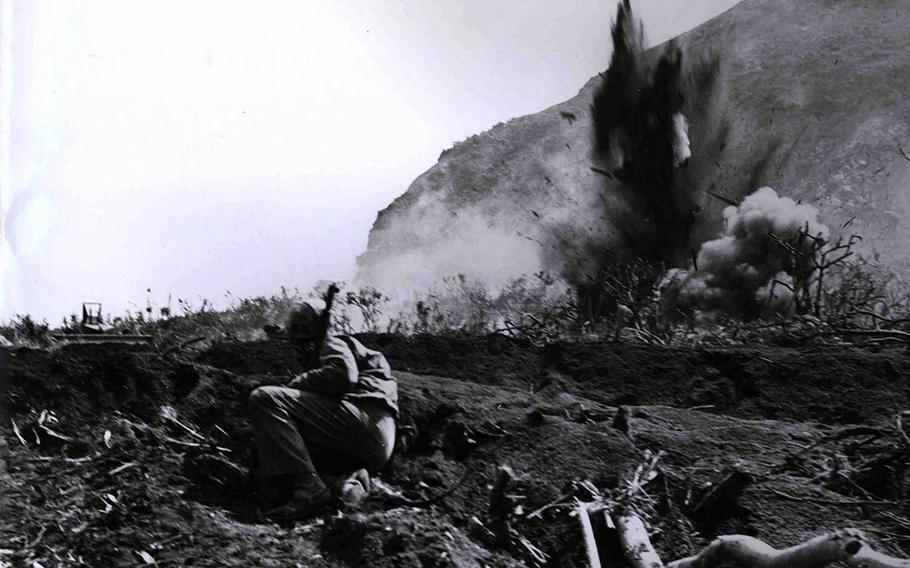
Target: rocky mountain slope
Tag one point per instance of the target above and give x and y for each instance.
(810, 98)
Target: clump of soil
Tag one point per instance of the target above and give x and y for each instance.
(140, 453)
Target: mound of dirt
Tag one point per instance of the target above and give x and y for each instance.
(85, 381)
(825, 384)
(119, 455)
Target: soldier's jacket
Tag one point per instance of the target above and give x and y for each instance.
(350, 370)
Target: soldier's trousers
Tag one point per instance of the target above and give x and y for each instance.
(289, 423)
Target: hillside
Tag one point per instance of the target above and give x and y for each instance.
(810, 99)
(95, 474)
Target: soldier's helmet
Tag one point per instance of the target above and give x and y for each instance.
(304, 321)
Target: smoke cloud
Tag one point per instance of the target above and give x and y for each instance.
(435, 240)
(738, 273)
(641, 138)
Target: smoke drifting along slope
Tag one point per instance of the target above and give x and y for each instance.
(449, 222)
(454, 240)
(736, 273)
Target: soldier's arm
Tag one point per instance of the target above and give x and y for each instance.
(336, 374)
(372, 361)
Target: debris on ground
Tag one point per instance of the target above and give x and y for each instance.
(511, 454)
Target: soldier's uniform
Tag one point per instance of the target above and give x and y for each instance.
(347, 405)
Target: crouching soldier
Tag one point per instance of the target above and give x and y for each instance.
(347, 404)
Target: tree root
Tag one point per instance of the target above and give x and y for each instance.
(845, 545)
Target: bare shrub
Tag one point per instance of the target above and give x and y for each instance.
(370, 302)
(862, 293)
(809, 258)
(23, 330)
(624, 292)
(459, 304)
(243, 319)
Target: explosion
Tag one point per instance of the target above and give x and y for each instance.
(641, 138)
(640, 148)
(639, 208)
(763, 257)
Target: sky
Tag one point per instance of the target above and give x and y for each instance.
(207, 150)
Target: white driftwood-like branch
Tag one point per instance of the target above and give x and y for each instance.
(845, 545)
(587, 532)
(636, 545)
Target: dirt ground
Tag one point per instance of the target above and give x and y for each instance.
(96, 476)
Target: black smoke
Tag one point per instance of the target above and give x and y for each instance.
(641, 139)
(640, 154)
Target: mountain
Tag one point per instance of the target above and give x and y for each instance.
(809, 97)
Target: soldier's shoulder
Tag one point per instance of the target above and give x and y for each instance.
(335, 343)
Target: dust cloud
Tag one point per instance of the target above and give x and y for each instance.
(738, 273)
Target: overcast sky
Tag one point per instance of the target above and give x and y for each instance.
(195, 147)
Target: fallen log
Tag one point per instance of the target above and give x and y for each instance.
(849, 546)
(587, 533)
(636, 545)
(846, 545)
